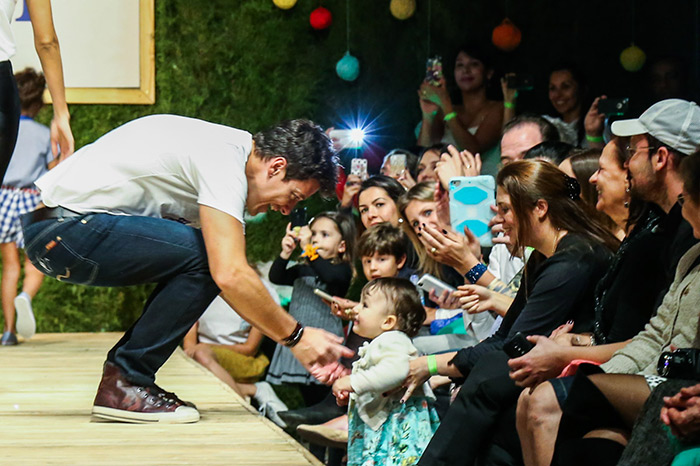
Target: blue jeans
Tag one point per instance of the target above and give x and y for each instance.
(114, 250)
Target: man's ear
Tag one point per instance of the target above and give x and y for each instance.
(661, 158)
(276, 165)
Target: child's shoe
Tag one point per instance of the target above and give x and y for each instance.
(8, 339)
(26, 324)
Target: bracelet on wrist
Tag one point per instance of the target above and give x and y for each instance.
(294, 337)
(475, 273)
(590, 138)
(449, 116)
(510, 105)
(432, 365)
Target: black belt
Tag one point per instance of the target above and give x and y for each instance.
(46, 213)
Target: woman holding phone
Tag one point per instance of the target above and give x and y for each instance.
(541, 208)
(475, 123)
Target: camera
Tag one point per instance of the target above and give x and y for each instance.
(684, 363)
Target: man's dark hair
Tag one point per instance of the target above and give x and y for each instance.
(656, 144)
(403, 296)
(30, 85)
(548, 131)
(383, 238)
(553, 151)
(309, 152)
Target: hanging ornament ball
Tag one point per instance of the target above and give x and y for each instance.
(506, 36)
(348, 67)
(284, 4)
(320, 18)
(632, 58)
(402, 9)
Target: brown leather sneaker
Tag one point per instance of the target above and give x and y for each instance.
(118, 399)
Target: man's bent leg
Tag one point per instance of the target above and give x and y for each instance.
(106, 250)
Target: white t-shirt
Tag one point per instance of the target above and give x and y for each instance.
(502, 265)
(221, 325)
(7, 39)
(161, 166)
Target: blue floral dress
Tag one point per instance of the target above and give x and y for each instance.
(401, 439)
(382, 430)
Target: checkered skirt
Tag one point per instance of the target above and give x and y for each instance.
(13, 203)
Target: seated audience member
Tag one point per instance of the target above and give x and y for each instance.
(582, 164)
(382, 251)
(522, 133)
(602, 408)
(542, 208)
(540, 412)
(474, 124)
(555, 152)
(229, 347)
(567, 89)
(425, 170)
(328, 247)
(406, 174)
(667, 78)
(384, 428)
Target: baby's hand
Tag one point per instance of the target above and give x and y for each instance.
(342, 390)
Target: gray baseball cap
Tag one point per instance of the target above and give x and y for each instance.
(675, 122)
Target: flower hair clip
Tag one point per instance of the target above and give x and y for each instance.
(310, 252)
(573, 188)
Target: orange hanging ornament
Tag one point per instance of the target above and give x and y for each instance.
(506, 36)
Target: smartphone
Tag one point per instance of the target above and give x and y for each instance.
(613, 106)
(433, 71)
(427, 282)
(520, 82)
(471, 198)
(323, 295)
(348, 138)
(299, 217)
(397, 164)
(517, 346)
(358, 167)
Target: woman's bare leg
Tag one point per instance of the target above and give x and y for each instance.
(538, 417)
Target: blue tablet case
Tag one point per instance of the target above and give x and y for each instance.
(471, 198)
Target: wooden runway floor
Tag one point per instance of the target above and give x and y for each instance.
(47, 387)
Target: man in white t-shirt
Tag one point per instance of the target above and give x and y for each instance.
(121, 211)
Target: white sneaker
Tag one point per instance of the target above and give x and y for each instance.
(26, 324)
(269, 403)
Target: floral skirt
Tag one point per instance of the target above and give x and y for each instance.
(401, 439)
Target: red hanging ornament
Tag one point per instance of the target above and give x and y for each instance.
(506, 36)
(320, 18)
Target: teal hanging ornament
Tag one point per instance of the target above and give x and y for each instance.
(348, 67)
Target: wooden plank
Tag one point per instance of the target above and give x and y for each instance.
(46, 397)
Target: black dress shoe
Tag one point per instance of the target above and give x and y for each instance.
(312, 415)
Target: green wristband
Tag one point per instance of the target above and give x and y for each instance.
(450, 116)
(432, 365)
(508, 104)
(594, 138)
